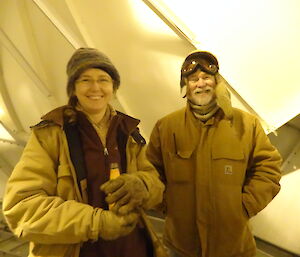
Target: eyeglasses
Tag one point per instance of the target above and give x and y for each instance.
(190, 66)
(88, 82)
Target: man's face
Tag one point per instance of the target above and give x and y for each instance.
(201, 88)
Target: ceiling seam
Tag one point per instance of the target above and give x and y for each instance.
(58, 24)
(13, 50)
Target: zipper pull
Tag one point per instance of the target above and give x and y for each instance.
(105, 151)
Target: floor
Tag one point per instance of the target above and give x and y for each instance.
(266, 250)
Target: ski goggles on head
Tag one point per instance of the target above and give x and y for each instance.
(202, 60)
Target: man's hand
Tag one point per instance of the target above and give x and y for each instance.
(113, 226)
(126, 192)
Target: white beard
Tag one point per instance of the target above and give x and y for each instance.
(201, 96)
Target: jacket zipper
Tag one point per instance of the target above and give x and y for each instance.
(105, 151)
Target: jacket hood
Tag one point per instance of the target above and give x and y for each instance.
(223, 96)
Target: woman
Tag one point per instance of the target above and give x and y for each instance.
(61, 210)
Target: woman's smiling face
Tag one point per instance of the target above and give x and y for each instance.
(94, 90)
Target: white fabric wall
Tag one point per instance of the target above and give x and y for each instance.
(280, 219)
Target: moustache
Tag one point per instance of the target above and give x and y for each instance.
(203, 90)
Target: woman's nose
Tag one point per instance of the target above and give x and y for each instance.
(95, 85)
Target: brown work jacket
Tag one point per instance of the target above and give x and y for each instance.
(217, 175)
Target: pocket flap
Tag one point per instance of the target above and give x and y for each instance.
(228, 153)
(185, 154)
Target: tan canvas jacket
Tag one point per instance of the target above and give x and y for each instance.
(217, 176)
(42, 203)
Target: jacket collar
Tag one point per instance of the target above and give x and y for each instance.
(128, 124)
(215, 118)
(56, 115)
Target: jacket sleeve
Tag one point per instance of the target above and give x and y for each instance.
(137, 162)
(155, 156)
(32, 208)
(154, 153)
(263, 173)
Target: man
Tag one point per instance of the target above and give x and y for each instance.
(218, 165)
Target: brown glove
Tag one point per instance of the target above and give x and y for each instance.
(113, 226)
(127, 192)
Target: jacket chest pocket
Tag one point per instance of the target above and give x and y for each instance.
(180, 167)
(228, 156)
(65, 183)
(229, 165)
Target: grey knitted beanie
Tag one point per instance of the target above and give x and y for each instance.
(85, 58)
